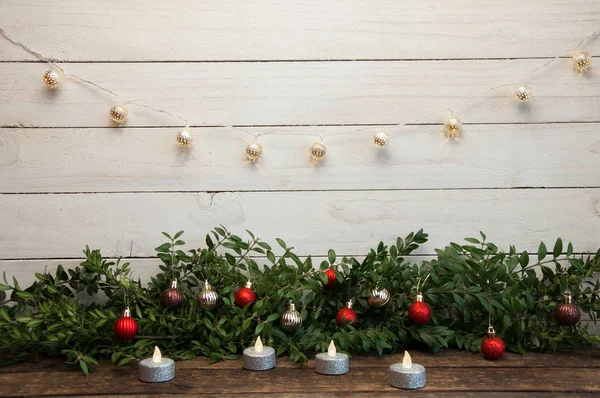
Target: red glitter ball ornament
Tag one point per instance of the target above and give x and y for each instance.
(172, 297)
(125, 327)
(567, 313)
(346, 316)
(331, 278)
(492, 347)
(245, 296)
(419, 312)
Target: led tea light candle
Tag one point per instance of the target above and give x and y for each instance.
(157, 369)
(259, 357)
(407, 375)
(332, 362)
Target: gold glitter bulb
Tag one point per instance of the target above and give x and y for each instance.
(523, 93)
(453, 127)
(253, 151)
(118, 113)
(184, 137)
(582, 61)
(318, 150)
(52, 78)
(381, 139)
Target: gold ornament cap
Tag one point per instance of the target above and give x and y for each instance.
(126, 313)
(567, 297)
(174, 284)
(419, 298)
(249, 285)
(349, 304)
(491, 333)
(291, 306)
(207, 286)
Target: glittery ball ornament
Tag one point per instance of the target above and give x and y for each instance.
(492, 347)
(379, 297)
(245, 296)
(419, 312)
(126, 327)
(172, 297)
(331, 278)
(318, 150)
(291, 320)
(381, 139)
(582, 61)
(52, 78)
(208, 298)
(453, 126)
(253, 151)
(523, 93)
(567, 313)
(118, 113)
(184, 137)
(346, 316)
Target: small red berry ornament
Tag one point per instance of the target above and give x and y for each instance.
(567, 313)
(245, 296)
(172, 297)
(419, 312)
(492, 347)
(331, 278)
(125, 327)
(346, 316)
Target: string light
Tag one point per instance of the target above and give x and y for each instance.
(52, 78)
(184, 137)
(453, 125)
(253, 151)
(318, 150)
(381, 139)
(582, 61)
(118, 113)
(523, 93)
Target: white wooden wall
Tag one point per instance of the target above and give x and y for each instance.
(298, 69)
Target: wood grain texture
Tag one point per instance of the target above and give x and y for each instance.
(102, 30)
(102, 160)
(350, 222)
(305, 93)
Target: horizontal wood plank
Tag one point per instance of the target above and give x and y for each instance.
(101, 30)
(300, 93)
(57, 226)
(104, 160)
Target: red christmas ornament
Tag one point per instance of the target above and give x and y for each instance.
(245, 296)
(172, 298)
(567, 313)
(346, 316)
(125, 327)
(419, 312)
(492, 347)
(331, 278)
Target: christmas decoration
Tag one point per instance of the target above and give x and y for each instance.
(184, 137)
(582, 61)
(245, 296)
(419, 312)
(346, 316)
(567, 313)
(523, 93)
(52, 78)
(172, 298)
(381, 139)
(291, 320)
(208, 297)
(492, 347)
(253, 151)
(118, 114)
(453, 126)
(156, 369)
(379, 297)
(318, 150)
(331, 278)
(126, 327)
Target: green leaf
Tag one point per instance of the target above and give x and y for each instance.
(542, 251)
(177, 235)
(272, 317)
(331, 256)
(558, 246)
(281, 243)
(84, 367)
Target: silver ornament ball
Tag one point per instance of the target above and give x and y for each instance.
(291, 320)
(318, 150)
(118, 113)
(52, 78)
(381, 139)
(379, 298)
(208, 297)
(184, 137)
(253, 151)
(523, 93)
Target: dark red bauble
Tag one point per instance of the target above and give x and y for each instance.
(492, 347)
(172, 298)
(245, 296)
(125, 327)
(331, 278)
(419, 313)
(567, 314)
(346, 316)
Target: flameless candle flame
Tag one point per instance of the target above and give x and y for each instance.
(157, 356)
(258, 346)
(331, 351)
(407, 361)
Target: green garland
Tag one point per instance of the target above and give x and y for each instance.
(45, 318)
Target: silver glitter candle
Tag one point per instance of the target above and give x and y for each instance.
(156, 369)
(259, 357)
(332, 362)
(407, 375)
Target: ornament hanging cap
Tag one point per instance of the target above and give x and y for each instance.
(249, 284)
(568, 299)
(206, 286)
(491, 332)
(174, 283)
(126, 313)
(349, 305)
(291, 306)
(419, 298)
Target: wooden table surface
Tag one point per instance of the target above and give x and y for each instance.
(449, 373)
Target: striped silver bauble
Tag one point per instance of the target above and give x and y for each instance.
(208, 297)
(291, 320)
(379, 298)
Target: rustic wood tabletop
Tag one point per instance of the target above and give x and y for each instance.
(449, 373)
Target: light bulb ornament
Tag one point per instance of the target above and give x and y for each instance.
(318, 150)
(53, 78)
(253, 151)
(523, 93)
(453, 126)
(381, 139)
(184, 137)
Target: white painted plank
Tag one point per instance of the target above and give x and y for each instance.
(56, 226)
(300, 93)
(103, 30)
(103, 160)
